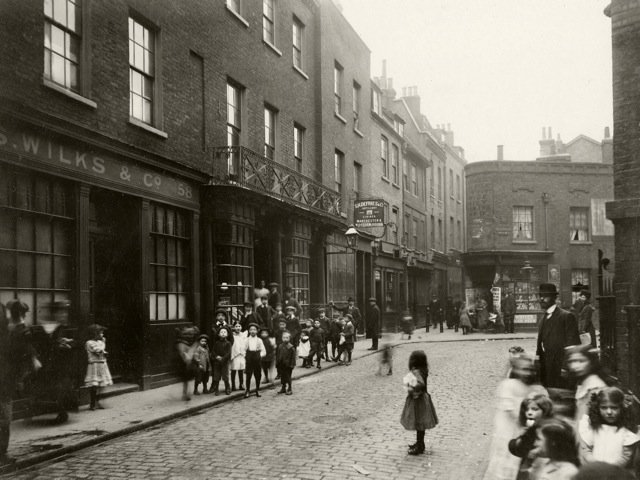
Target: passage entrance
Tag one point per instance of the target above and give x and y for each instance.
(114, 279)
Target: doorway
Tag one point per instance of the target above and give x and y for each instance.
(114, 279)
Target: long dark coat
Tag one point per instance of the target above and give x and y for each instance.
(585, 325)
(554, 334)
(373, 321)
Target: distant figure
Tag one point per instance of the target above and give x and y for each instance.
(585, 325)
(509, 311)
(274, 295)
(386, 359)
(373, 323)
(558, 329)
(435, 312)
(186, 345)
(291, 301)
(260, 292)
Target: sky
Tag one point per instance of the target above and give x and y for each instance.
(496, 70)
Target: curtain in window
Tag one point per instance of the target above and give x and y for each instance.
(523, 223)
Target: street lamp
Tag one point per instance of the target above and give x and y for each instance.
(352, 237)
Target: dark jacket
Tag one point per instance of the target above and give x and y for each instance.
(349, 331)
(292, 302)
(253, 317)
(316, 335)
(275, 298)
(435, 311)
(335, 329)
(278, 335)
(265, 312)
(221, 348)
(353, 311)
(373, 321)
(520, 447)
(293, 325)
(585, 325)
(554, 334)
(509, 305)
(286, 356)
(270, 349)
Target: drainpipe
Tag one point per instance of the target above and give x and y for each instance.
(545, 200)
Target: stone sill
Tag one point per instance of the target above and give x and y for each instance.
(148, 128)
(358, 132)
(237, 15)
(304, 75)
(340, 117)
(54, 86)
(272, 47)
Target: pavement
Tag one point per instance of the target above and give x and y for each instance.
(36, 440)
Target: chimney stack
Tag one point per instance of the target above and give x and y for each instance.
(607, 132)
(547, 144)
(413, 101)
(500, 153)
(607, 147)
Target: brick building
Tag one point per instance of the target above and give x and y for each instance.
(548, 212)
(160, 159)
(624, 210)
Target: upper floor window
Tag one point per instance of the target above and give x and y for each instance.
(394, 229)
(268, 21)
(405, 174)
(384, 154)
(432, 236)
(414, 180)
(440, 236)
(579, 224)
(459, 235)
(269, 133)
(431, 184)
(337, 87)
(406, 230)
(459, 188)
(356, 104)
(439, 183)
(415, 233)
(394, 163)
(141, 71)
(298, 146)
(523, 223)
(375, 101)
(401, 129)
(451, 233)
(298, 34)
(451, 192)
(62, 42)
(338, 165)
(234, 124)
(357, 179)
(234, 5)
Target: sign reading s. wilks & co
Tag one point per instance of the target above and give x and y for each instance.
(369, 213)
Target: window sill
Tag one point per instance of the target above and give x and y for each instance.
(238, 16)
(385, 179)
(529, 242)
(589, 242)
(340, 117)
(272, 47)
(343, 214)
(358, 132)
(395, 185)
(304, 75)
(69, 93)
(148, 128)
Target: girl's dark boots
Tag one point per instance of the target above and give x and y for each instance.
(233, 380)
(94, 403)
(227, 390)
(195, 388)
(417, 449)
(240, 379)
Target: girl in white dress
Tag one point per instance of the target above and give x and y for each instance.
(98, 374)
(238, 352)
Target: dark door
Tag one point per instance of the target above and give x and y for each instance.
(114, 247)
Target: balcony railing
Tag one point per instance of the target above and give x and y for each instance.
(245, 168)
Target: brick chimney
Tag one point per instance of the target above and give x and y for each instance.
(412, 99)
(448, 135)
(607, 147)
(547, 144)
(500, 153)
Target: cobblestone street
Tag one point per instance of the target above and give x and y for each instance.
(335, 420)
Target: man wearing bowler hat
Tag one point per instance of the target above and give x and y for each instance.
(558, 329)
(373, 323)
(351, 309)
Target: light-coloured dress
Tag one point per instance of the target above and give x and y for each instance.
(590, 385)
(98, 374)
(238, 351)
(509, 395)
(608, 443)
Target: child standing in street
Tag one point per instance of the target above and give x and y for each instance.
(286, 362)
(270, 350)
(220, 356)
(584, 366)
(335, 328)
(316, 338)
(606, 432)
(349, 334)
(304, 349)
(418, 413)
(555, 450)
(202, 363)
(386, 359)
(293, 325)
(238, 361)
(98, 374)
(255, 352)
(324, 324)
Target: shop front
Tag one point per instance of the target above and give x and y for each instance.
(104, 233)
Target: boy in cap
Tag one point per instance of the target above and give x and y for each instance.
(220, 356)
(317, 339)
(293, 325)
(278, 315)
(335, 329)
(286, 362)
(349, 334)
(202, 362)
(324, 324)
(270, 348)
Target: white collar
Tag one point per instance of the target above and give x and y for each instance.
(551, 309)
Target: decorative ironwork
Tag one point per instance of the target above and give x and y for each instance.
(245, 168)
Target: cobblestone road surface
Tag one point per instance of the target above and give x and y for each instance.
(337, 419)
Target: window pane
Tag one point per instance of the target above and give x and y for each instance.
(8, 269)
(173, 307)
(146, 113)
(57, 40)
(25, 233)
(43, 271)
(47, 35)
(60, 11)
(172, 280)
(162, 307)
(136, 106)
(182, 306)
(162, 279)
(8, 230)
(43, 235)
(48, 8)
(153, 307)
(25, 270)
(61, 272)
(57, 69)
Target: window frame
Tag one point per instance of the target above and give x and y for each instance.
(270, 132)
(414, 231)
(77, 33)
(298, 146)
(266, 21)
(395, 156)
(234, 130)
(357, 179)
(584, 226)
(414, 179)
(338, 75)
(406, 233)
(338, 170)
(298, 56)
(155, 101)
(520, 217)
(395, 211)
(356, 104)
(376, 98)
(384, 155)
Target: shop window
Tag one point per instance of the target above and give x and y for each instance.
(580, 277)
(389, 291)
(523, 223)
(524, 286)
(295, 256)
(170, 255)
(578, 225)
(36, 232)
(233, 254)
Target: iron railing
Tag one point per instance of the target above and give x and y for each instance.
(245, 168)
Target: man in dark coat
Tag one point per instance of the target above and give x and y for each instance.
(266, 313)
(509, 311)
(290, 301)
(274, 295)
(373, 323)
(558, 329)
(250, 317)
(435, 312)
(585, 325)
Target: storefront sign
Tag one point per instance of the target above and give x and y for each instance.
(528, 318)
(369, 213)
(79, 159)
(495, 293)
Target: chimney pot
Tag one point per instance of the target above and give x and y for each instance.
(500, 153)
(607, 132)
(550, 135)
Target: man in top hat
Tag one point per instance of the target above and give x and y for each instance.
(558, 329)
(350, 309)
(373, 323)
(585, 325)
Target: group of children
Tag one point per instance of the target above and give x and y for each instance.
(539, 439)
(251, 350)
